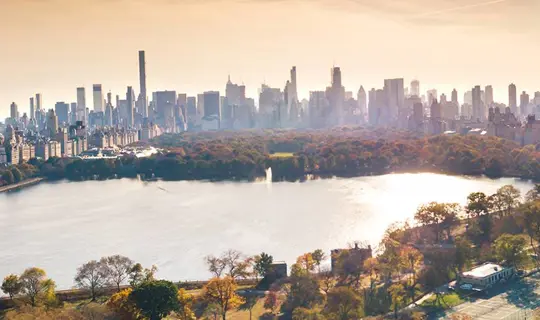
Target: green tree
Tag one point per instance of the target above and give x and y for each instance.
(531, 223)
(511, 249)
(442, 216)
(17, 175)
(222, 292)
(7, 176)
(343, 304)
(138, 274)
(249, 303)
(35, 285)
(307, 314)
(463, 254)
(11, 285)
(155, 299)
(318, 257)
(92, 276)
(506, 199)
(398, 294)
(304, 292)
(478, 204)
(263, 264)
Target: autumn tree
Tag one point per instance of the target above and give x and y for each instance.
(343, 303)
(117, 268)
(123, 306)
(531, 222)
(307, 314)
(155, 299)
(35, 285)
(478, 204)
(222, 292)
(185, 306)
(411, 259)
(533, 194)
(327, 280)
(442, 216)
(231, 263)
(398, 294)
(138, 274)
(263, 264)
(506, 200)
(511, 249)
(271, 301)
(318, 257)
(11, 285)
(303, 292)
(92, 276)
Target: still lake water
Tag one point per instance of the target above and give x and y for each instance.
(59, 226)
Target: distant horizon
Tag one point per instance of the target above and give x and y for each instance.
(55, 46)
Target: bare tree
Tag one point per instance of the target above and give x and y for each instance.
(118, 268)
(231, 263)
(92, 276)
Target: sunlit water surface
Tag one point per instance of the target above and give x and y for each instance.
(59, 226)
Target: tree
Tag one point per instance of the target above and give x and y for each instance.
(478, 204)
(411, 259)
(327, 279)
(231, 263)
(397, 292)
(123, 306)
(155, 299)
(11, 285)
(35, 285)
(263, 264)
(249, 303)
(343, 303)
(533, 194)
(17, 175)
(222, 292)
(307, 314)
(442, 216)
(185, 303)
(318, 257)
(531, 223)
(510, 249)
(506, 199)
(117, 268)
(304, 292)
(306, 262)
(138, 274)
(463, 254)
(92, 276)
(7, 176)
(271, 302)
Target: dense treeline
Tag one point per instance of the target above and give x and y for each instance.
(292, 155)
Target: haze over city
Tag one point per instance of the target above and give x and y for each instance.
(54, 46)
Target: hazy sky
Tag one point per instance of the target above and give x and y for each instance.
(53, 46)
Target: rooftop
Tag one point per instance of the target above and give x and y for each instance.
(483, 271)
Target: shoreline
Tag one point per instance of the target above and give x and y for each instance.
(22, 184)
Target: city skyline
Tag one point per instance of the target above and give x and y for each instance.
(45, 57)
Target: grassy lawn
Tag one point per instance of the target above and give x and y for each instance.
(447, 301)
(282, 155)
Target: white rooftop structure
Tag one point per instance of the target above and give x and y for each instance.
(483, 271)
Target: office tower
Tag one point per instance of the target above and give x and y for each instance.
(395, 99)
(292, 96)
(142, 78)
(318, 108)
(211, 104)
(431, 95)
(478, 112)
(512, 98)
(435, 110)
(14, 111)
(98, 98)
(415, 88)
(108, 119)
(443, 99)
(52, 123)
(362, 101)
(109, 98)
(130, 105)
(39, 102)
(524, 101)
(488, 96)
(32, 109)
(455, 97)
(61, 109)
(73, 113)
(164, 102)
(336, 97)
(81, 105)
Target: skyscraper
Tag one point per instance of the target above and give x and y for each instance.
(52, 123)
(39, 102)
(32, 108)
(73, 113)
(292, 96)
(130, 98)
(142, 78)
(488, 96)
(81, 105)
(362, 101)
(395, 99)
(524, 101)
(211, 104)
(336, 97)
(61, 109)
(455, 97)
(14, 111)
(478, 112)
(415, 88)
(98, 98)
(512, 98)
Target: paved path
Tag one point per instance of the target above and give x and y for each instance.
(513, 301)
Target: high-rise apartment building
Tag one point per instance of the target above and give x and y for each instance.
(130, 111)
(32, 108)
(478, 109)
(81, 105)
(39, 102)
(143, 103)
(455, 97)
(98, 98)
(52, 123)
(362, 101)
(415, 88)
(488, 96)
(14, 111)
(211, 104)
(395, 99)
(524, 101)
(73, 113)
(512, 98)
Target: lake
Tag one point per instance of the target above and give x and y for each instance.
(59, 226)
